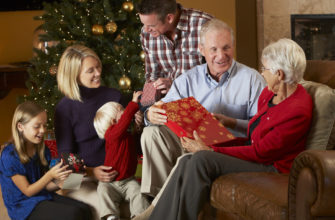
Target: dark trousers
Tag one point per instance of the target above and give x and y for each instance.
(189, 187)
(61, 207)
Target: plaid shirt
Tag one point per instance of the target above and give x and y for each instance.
(168, 59)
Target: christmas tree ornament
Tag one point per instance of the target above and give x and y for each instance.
(142, 55)
(111, 27)
(82, 1)
(124, 82)
(97, 29)
(53, 70)
(128, 6)
(40, 44)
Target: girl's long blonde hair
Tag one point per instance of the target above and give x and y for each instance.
(23, 114)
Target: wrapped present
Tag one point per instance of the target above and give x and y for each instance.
(186, 115)
(51, 144)
(150, 94)
(74, 161)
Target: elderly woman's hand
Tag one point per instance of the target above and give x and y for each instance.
(104, 173)
(225, 120)
(194, 145)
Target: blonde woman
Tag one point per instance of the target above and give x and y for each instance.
(79, 79)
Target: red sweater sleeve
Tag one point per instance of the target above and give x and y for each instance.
(119, 129)
(274, 145)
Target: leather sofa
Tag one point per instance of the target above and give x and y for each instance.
(308, 191)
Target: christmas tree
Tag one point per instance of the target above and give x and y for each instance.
(110, 27)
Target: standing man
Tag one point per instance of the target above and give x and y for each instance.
(170, 39)
(223, 86)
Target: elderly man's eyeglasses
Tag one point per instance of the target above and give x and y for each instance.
(263, 69)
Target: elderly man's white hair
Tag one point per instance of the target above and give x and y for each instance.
(214, 24)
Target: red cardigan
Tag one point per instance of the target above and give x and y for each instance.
(281, 133)
(120, 145)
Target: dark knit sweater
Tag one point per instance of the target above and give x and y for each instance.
(74, 124)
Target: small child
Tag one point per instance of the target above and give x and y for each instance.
(27, 183)
(111, 122)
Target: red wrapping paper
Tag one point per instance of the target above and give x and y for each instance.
(186, 115)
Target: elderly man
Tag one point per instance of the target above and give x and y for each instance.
(170, 40)
(223, 86)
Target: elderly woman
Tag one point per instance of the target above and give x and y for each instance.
(79, 79)
(277, 134)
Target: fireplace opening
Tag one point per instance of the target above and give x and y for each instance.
(315, 33)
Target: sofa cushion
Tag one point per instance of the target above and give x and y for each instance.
(322, 132)
(255, 195)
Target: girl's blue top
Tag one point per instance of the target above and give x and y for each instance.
(19, 206)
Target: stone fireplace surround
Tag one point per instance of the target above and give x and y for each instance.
(273, 23)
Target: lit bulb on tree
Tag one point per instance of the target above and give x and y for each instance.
(142, 55)
(128, 6)
(97, 29)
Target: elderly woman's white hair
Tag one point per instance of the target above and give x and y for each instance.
(288, 56)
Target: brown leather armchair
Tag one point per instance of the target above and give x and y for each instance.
(308, 191)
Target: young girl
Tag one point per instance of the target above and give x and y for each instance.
(26, 182)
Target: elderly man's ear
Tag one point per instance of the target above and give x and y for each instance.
(201, 49)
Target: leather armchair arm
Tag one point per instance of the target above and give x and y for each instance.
(312, 185)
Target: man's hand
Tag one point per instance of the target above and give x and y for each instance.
(225, 120)
(163, 84)
(104, 173)
(157, 115)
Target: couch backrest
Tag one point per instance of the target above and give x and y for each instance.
(322, 131)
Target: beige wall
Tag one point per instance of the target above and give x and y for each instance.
(8, 105)
(222, 9)
(15, 46)
(16, 36)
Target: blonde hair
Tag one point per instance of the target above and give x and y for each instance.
(104, 116)
(212, 25)
(288, 56)
(23, 114)
(69, 69)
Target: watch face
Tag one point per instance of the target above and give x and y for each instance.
(75, 162)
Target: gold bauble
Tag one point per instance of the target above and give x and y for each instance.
(53, 70)
(128, 6)
(124, 82)
(111, 27)
(97, 29)
(142, 55)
